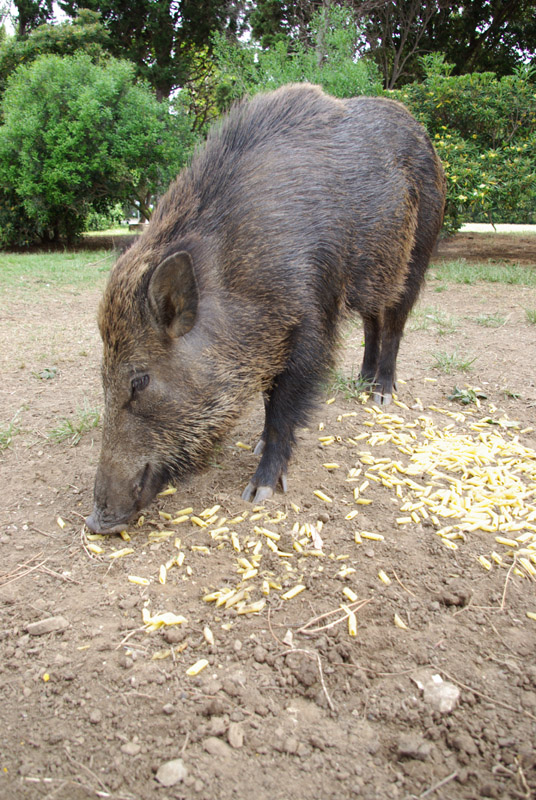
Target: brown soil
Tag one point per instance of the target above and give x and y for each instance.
(95, 708)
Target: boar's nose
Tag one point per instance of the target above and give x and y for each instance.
(95, 523)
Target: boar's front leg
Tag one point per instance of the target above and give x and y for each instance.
(287, 404)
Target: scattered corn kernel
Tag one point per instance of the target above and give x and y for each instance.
(196, 668)
(293, 592)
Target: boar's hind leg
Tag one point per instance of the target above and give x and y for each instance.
(286, 407)
(371, 357)
(392, 328)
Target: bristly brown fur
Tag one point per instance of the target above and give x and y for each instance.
(298, 209)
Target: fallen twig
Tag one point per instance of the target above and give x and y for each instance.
(357, 605)
(436, 786)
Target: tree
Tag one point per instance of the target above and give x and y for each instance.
(480, 35)
(84, 34)
(160, 37)
(32, 13)
(328, 58)
(80, 136)
(484, 35)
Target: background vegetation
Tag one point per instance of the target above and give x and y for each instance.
(100, 110)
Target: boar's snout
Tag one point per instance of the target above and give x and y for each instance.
(119, 497)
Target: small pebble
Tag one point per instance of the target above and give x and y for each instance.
(235, 735)
(49, 625)
(217, 747)
(130, 748)
(171, 772)
(95, 716)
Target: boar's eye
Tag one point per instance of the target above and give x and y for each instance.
(139, 383)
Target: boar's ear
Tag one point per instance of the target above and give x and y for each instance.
(173, 295)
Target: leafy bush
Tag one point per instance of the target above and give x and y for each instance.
(77, 137)
(484, 130)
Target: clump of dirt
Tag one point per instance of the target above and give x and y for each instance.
(255, 683)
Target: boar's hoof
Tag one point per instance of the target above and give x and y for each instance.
(259, 448)
(382, 399)
(257, 494)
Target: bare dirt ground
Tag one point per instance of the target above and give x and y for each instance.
(289, 704)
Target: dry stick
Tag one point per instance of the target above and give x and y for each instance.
(487, 697)
(359, 604)
(89, 772)
(43, 533)
(435, 787)
(66, 578)
(402, 585)
(22, 574)
(506, 585)
(320, 672)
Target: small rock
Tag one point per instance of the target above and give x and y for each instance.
(95, 716)
(463, 743)
(218, 726)
(410, 745)
(217, 747)
(168, 709)
(235, 735)
(214, 708)
(171, 772)
(259, 654)
(441, 695)
(130, 748)
(175, 634)
(323, 517)
(49, 625)
(129, 602)
(291, 745)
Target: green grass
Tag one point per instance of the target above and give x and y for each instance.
(40, 270)
(452, 362)
(349, 386)
(72, 429)
(490, 320)
(464, 272)
(422, 318)
(531, 315)
(7, 433)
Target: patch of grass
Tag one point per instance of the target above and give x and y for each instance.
(531, 315)
(40, 270)
(490, 320)
(7, 432)
(419, 320)
(46, 374)
(72, 429)
(467, 396)
(452, 362)
(464, 272)
(349, 386)
(422, 318)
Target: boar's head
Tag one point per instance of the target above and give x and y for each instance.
(166, 384)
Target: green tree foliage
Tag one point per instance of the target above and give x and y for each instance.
(79, 136)
(481, 35)
(161, 37)
(484, 129)
(328, 59)
(84, 34)
(31, 13)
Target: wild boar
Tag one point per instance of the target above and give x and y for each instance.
(298, 209)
